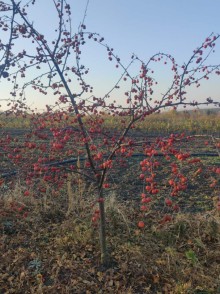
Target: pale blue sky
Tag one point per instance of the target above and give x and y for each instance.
(149, 26)
(144, 27)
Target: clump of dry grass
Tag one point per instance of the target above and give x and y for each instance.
(79, 195)
(116, 213)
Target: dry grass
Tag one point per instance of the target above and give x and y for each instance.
(57, 250)
(207, 121)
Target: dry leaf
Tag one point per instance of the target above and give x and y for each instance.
(156, 279)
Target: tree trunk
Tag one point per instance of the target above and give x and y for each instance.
(102, 234)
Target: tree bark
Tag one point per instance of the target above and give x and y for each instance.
(105, 259)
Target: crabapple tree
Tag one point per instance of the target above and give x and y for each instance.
(75, 121)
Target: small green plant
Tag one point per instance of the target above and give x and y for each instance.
(8, 227)
(191, 256)
(35, 265)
